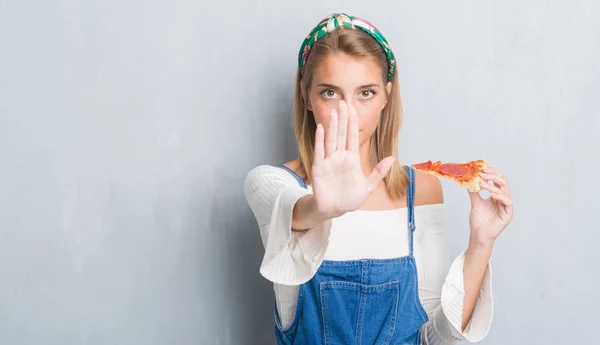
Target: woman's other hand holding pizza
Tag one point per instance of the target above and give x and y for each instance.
(489, 217)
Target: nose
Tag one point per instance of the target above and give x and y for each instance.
(355, 105)
(349, 102)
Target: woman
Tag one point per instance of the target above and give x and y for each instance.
(355, 242)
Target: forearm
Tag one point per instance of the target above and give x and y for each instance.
(306, 215)
(476, 261)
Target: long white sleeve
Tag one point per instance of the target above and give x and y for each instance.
(291, 257)
(442, 292)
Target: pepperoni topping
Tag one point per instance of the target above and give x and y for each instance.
(423, 166)
(453, 169)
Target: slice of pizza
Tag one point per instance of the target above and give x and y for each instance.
(465, 174)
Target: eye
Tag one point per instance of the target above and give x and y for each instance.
(328, 94)
(366, 94)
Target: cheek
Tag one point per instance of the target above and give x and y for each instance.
(368, 117)
(322, 112)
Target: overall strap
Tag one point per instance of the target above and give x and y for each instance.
(410, 205)
(296, 176)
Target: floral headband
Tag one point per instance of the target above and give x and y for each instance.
(344, 21)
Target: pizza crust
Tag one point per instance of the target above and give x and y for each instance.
(473, 185)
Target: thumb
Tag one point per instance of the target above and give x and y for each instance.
(475, 197)
(381, 169)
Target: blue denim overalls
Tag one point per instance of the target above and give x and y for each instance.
(363, 302)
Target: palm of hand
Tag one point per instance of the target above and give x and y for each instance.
(339, 185)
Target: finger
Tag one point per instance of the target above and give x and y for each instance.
(492, 171)
(319, 145)
(475, 198)
(498, 180)
(353, 135)
(342, 127)
(381, 169)
(331, 140)
(490, 188)
(504, 201)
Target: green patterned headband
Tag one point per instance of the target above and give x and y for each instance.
(344, 21)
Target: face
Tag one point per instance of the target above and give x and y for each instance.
(357, 81)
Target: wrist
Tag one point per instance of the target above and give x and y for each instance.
(479, 245)
(478, 255)
(322, 214)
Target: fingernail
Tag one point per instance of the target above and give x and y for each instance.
(342, 102)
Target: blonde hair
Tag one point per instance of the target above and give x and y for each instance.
(384, 141)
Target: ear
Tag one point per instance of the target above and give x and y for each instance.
(388, 89)
(307, 102)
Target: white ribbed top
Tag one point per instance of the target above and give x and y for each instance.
(292, 258)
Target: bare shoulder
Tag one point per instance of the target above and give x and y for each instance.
(295, 167)
(429, 189)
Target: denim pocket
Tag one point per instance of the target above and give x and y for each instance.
(358, 314)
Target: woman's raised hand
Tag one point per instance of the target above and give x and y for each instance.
(338, 183)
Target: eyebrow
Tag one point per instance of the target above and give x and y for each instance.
(331, 86)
